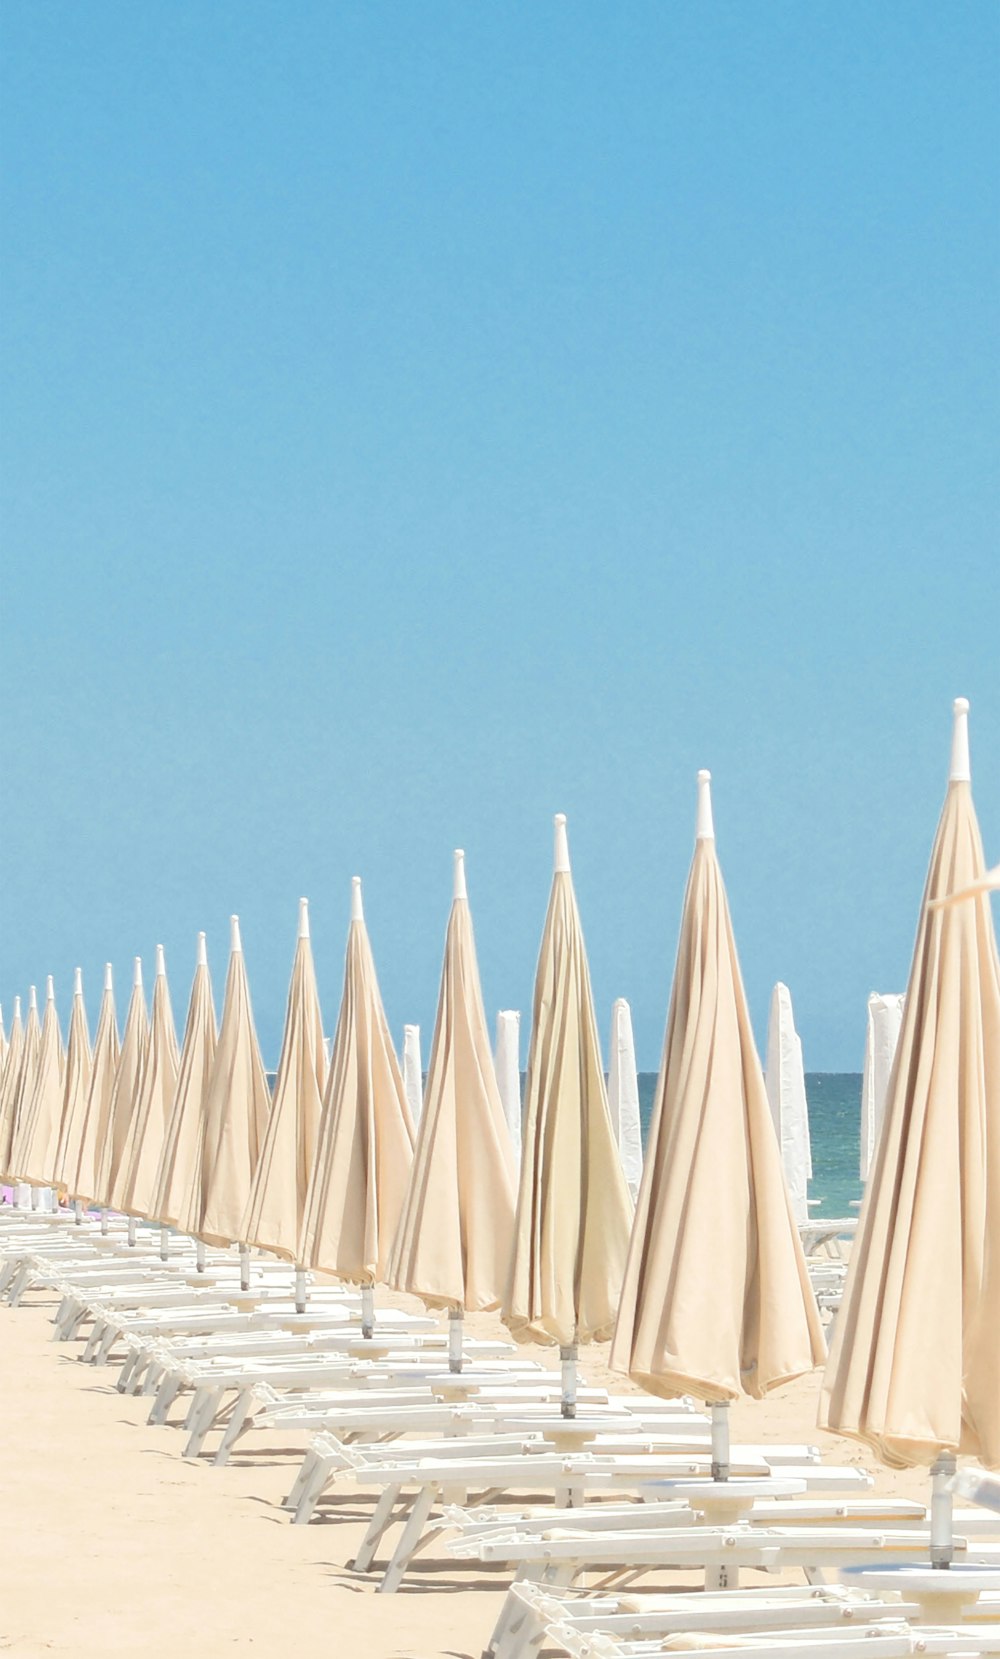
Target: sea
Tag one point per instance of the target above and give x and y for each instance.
(834, 1100)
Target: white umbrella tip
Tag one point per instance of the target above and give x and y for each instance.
(459, 890)
(161, 963)
(78, 982)
(32, 998)
(17, 1008)
(50, 988)
(561, 862)
(201, 960)
(303, 918)
(357, 908)
(109, 978)
(960, 771)
(705, 829)
(235, 941)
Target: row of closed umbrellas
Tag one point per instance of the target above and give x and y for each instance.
(704, 1287)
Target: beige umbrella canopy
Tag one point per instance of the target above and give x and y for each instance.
(38, 1133)
(277, 1200)
(452, 1247)
(24, 1087)
(124, 1096)
(988, 883)
(76, 1087)
(573, 1207)
(9, 1085)
(3, 1044)
(366, 1134)
(178, 1199)
(144, 1142)
(236, 1111)
(85, 1130)
(915, 1359)
(716, 1300)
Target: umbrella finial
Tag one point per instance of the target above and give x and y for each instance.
(561, 865)
(137, 974)
(109, 980)
(357, 908)
(201, 960)
(17, 1008)
(78, 982)
(235, 942)
(705, 828)
(50, 989)
(303, 918)
(459, 891)
(161, 963)
(961, 771)
(32, 1000)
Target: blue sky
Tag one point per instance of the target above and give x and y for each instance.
(421, 419)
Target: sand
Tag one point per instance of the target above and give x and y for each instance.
(111, 1543)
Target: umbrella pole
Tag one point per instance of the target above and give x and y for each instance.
(244, 1267)
(199, 1255)
(164, 1244)
(104, 1222)
(568, 1357)
(720, 1440)
(301, 1290)
(367, 1311)
(455, 1327)
(78, 1212)
(131, 1232)
(942, 1502)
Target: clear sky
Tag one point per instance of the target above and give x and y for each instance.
(422, 418)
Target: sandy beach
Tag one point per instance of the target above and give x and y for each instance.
(113, 1544)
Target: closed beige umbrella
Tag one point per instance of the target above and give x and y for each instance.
(915, 1360)
(86, 1131)
(9, 1086)
(24, 1083)
(573, 1206)
(124, 1098)
(716, 1300)
(39, 1131)
(178, 1201)
(76, 1087)
(236, 1112)
(366, 1135)
(144, 1144)
(281, 1182)
(452, 1247)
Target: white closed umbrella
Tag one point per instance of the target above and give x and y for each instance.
(716, 1300)
(623, 1094)
(144, 1142)
(8, 1084)
(573, 1208)
(179, 1196)
(22, 1084)
(507, 1060)
(87, 1129)
(38, 1123)
(78, 1071)
(885, 1016)
(281, 1181)
(236, 1113)
(413, 1075)
(915, 1360)
(124, 1097)
(785, 1080)
(452, 1245)
(362, 1165)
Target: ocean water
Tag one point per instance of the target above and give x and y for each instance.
(834, 1100)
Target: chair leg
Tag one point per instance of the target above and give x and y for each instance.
(376, 1527)
(407, 1545)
